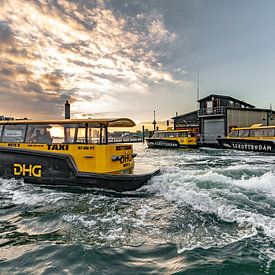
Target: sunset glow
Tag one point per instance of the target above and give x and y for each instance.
(68, 52)
(121, 58)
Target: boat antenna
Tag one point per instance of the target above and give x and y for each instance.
(154, 121)
(198, 86)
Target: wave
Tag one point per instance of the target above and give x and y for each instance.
(17, 192)
(186, 187)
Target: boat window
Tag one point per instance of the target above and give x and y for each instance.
(155, 135)
(259, 132)
(190, 134)
(252, 132)
(70, 132)
(81, 132)
(39, 134)
(270, 132)
(171, 134)
(57, 133)
(234, 133)
(62, 133)
(161, 135)
(14, 133)
(265, 132)
(243, 133)
(183, 134)
(93, 135)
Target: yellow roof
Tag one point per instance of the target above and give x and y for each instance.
(254, 126)
(171, 131)
(94, 122)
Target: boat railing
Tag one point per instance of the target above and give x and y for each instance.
(213, 111)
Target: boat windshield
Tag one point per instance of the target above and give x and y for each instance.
(74, 133)
(244, 133)
(172, 134)
(1, 127)
(234, 133)
(262, 132)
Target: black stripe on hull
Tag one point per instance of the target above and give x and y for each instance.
(160, 143)
(57, 169)
(266, 146)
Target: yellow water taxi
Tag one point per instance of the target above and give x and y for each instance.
(70, 152)
(257, 138)
(173, 139)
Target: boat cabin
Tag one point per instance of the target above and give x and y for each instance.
(173, 134)
(84, 140)
(173, 139)
(254, 132)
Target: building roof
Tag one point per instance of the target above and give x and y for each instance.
(226, 97)
(254, 110)
(186, 114)
(232, 108)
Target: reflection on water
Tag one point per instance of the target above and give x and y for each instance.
(208, 209)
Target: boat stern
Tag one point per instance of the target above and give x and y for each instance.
(114, 158)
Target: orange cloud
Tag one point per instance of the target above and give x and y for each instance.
(85, 53)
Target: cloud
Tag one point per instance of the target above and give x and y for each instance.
(83, 51)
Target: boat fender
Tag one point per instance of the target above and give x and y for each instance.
(115, 158)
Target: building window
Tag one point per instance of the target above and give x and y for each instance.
(209, 107)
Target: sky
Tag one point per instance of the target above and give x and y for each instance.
(127, 58)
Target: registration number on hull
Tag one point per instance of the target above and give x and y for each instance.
(252, 147)
(163, 144)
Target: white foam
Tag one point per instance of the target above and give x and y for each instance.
(264, 183)
(182, 189)
(20, 193)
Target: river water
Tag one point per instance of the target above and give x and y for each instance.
(209, 211)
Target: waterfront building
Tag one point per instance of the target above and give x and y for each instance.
(218, 114)
(187, 121)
